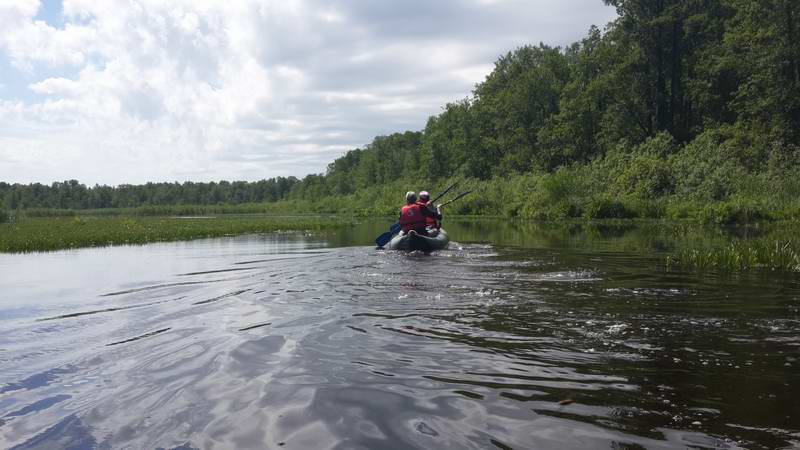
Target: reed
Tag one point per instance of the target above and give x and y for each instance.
(55, 233)
(742, 256)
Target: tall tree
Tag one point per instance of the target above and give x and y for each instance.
(516, 100)
(763, 45)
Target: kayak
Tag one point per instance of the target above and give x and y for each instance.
(412, 241)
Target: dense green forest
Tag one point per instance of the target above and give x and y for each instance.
(678, 108)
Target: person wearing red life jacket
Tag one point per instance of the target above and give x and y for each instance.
(430, 221)
(414, 215)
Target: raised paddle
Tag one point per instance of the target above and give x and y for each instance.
(439, 222)
(457, 197)
(444, 193)
(384, 239)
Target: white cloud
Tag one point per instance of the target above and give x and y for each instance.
(153, 90)
(56, 86)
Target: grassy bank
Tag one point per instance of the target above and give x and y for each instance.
(29, 234)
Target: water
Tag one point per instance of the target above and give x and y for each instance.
(518, 336)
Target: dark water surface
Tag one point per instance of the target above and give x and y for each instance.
(515, 337)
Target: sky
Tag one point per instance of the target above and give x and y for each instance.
(131, 91)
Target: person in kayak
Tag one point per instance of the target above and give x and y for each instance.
(424, 200)
(413, 216)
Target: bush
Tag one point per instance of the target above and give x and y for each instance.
(5, 216)
(646, 176)
(678, 209)
(642, 172)
(661, 145)
(737, 211)
(707, 169)
(558, 185)
(649, 209)
(608, 208)
(556, 196)
(781, 179)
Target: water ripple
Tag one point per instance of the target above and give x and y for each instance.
(473, 347)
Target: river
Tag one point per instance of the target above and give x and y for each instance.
(517, 336)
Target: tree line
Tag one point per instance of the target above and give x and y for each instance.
(73, 195)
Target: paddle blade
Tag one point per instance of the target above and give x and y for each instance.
(384, 239)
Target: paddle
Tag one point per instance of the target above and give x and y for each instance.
(457, 197)
(384, 239)
(444, 193)
(439, 223)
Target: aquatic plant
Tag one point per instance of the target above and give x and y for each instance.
(742, 256)
(37, 234)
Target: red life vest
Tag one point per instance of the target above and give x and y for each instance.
(429, 221)
(411, 217)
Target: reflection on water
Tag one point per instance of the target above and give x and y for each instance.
(518, 336)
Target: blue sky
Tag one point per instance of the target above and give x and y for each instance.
(51, 11)
(118, 92)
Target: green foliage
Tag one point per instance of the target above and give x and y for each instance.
(707, 169)
(735, 211)
(47, 212)
(5, 216)
(762, 45)
(515, 102)
(739, 256)
(280, 207)
(642, 172)
(557, 195)
(646, 177)
(74, 195)
(648, 209)
(37, 234)
(608, 208)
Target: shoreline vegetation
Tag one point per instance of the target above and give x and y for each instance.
(603, 189)
(34, 234)
(773, 255)
(680, 244)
